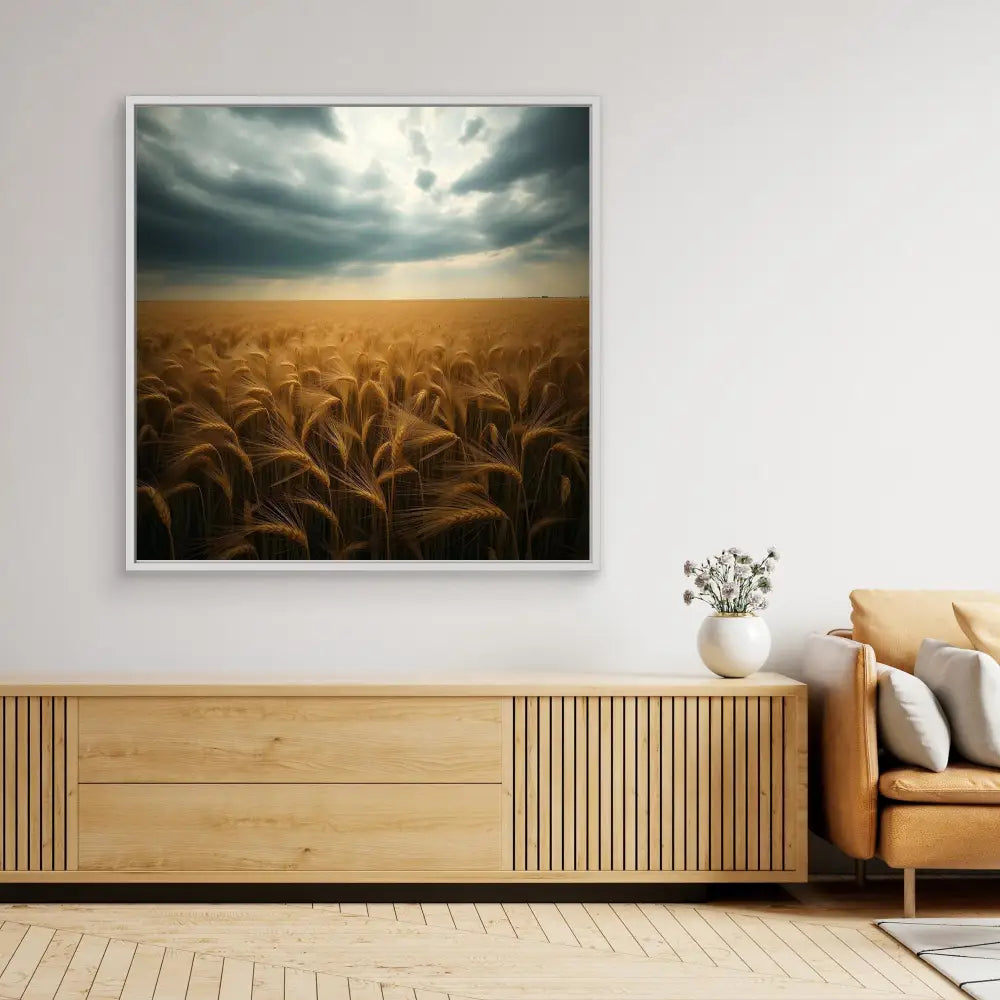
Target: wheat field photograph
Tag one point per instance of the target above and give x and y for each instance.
(360, 334)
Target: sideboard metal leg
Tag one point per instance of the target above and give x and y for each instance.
(861, 872)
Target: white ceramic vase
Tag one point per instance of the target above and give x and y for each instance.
(734, 645)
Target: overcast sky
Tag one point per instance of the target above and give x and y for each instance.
(361, 202)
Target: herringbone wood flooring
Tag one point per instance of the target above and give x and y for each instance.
(433, 951)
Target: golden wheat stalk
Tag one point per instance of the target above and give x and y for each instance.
(427, 522)
(280, 529)
(317, 414)
(159, 503)
(317, 506)
(242, 550)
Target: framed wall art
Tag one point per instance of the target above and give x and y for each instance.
(361, 334)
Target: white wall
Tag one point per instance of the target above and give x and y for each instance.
(800, 219)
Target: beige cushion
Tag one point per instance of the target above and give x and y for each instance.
(911, 723)
(895, 622)
(961, 783)
(967, 684)
(980, 621)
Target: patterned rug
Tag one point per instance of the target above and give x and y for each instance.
(967, 951)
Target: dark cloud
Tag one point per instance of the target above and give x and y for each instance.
(425, 179)
(318, 119)
(556, 213)
(374, 178)
(472, 128)
(218, 195)
(544, 141)
(418, 145)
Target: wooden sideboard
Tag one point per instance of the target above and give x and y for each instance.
(585, 778)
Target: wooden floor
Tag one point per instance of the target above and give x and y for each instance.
(764, 944)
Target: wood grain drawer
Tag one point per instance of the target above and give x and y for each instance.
(300, 827)
(273, 739)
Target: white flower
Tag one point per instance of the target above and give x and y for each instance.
(688, 596)
(764, 584)
(772, 553)
(755, 597)
(729, 591)
(689, 568)
(761, 604)
(727, 559)
(702, 580)
(770, 565)
(735, 551)
(743, 570)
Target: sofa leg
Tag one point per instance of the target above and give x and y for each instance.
(909, 892)
(861, 872)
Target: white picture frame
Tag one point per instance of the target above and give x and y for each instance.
(591, 564)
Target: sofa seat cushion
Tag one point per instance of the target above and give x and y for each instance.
(958, 784)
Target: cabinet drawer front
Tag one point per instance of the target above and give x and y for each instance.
(289, 827)
(194, 739)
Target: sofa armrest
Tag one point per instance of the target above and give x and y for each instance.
(843, 750)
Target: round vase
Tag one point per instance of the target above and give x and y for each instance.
(734, 645)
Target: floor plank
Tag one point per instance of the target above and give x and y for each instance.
(672, 931)
(300, 984)
(206, 978)
(867, 975)
(877, 958)
(79, 977)
(11, 934)
(365, 989)
(583, 927)
(268, 982)
(523, 921)
(793, 965)
(494, 919)
(466, 918)
(615, 932)
(144, 972)
(437, 915)
(237, 980)
(175, 974)
(332, 987)
(111, 973)
(714, 946)
(553, 925)
(751, 953)
(29, 952)
(645, 934)
(818, 960)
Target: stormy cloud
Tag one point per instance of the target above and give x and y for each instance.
(322, 120)
(253, 193)
(545, 141)
(471, 128)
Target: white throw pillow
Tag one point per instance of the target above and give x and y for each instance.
(967, 684)
(911, 724)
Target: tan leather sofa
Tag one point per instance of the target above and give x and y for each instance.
(862, 801)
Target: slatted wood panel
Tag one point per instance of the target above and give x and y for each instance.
(697, 784)
(39, 792)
